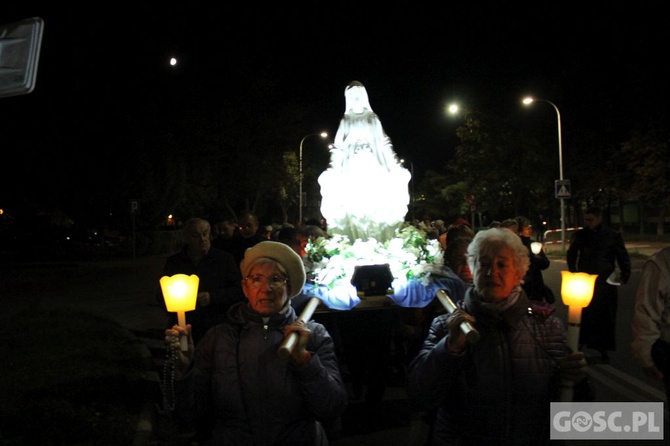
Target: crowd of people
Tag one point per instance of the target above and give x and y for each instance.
(232, 386)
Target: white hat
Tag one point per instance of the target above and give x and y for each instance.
(281, 253)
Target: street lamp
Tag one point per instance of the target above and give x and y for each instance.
(323, 135)
(528, 101)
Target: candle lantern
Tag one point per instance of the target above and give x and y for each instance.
(576, 292)
(180, 292)
(536, 247)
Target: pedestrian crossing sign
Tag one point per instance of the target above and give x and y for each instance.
(562, 188)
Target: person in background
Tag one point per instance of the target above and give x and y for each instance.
(460, 222)
(308, 233)
(460, 230)
(498, 390)
(426, 223)
(248, 227)
(289, 236)
(456, 258)
(511, 224)
(597, 249)
(225, 233)
(533, 282)
(298, 238)
(219, 277)
(441, 228)
(236, 375)
(651, 319)
(432, 233)
(293, 238)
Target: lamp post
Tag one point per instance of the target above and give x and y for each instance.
(323, 135)
(530, 100)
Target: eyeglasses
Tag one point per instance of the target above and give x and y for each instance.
(274, 281)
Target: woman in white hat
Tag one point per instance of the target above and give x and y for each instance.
(236, 376)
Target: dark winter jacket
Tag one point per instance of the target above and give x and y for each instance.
(498, 391)
(596, 251)
(256, 397)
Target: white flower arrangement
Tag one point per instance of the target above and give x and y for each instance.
(410, 255)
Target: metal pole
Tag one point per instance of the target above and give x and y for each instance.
(560, 172)
(560, 162)
(300, 203)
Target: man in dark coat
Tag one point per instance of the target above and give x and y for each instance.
(597, 249)
(533, 282)
(249, 235)
(219, 278)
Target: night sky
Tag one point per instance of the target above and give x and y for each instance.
(603, 65)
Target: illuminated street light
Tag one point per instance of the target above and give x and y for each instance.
(528, 101)
(453, 109)
(323, 135)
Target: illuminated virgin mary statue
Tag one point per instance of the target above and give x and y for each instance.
(365, 189)
(364, 199)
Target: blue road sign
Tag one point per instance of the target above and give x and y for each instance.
(562, 188)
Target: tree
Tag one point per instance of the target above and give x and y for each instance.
(498, 164)
(442, 197)
(648, 155)
(288, 186)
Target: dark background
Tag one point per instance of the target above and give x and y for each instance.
(104, 80)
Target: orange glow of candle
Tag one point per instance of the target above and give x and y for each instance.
(180, 293)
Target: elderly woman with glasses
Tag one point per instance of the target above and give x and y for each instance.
(235, 375)
(497, 390)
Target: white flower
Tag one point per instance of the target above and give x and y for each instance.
(410, 255)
